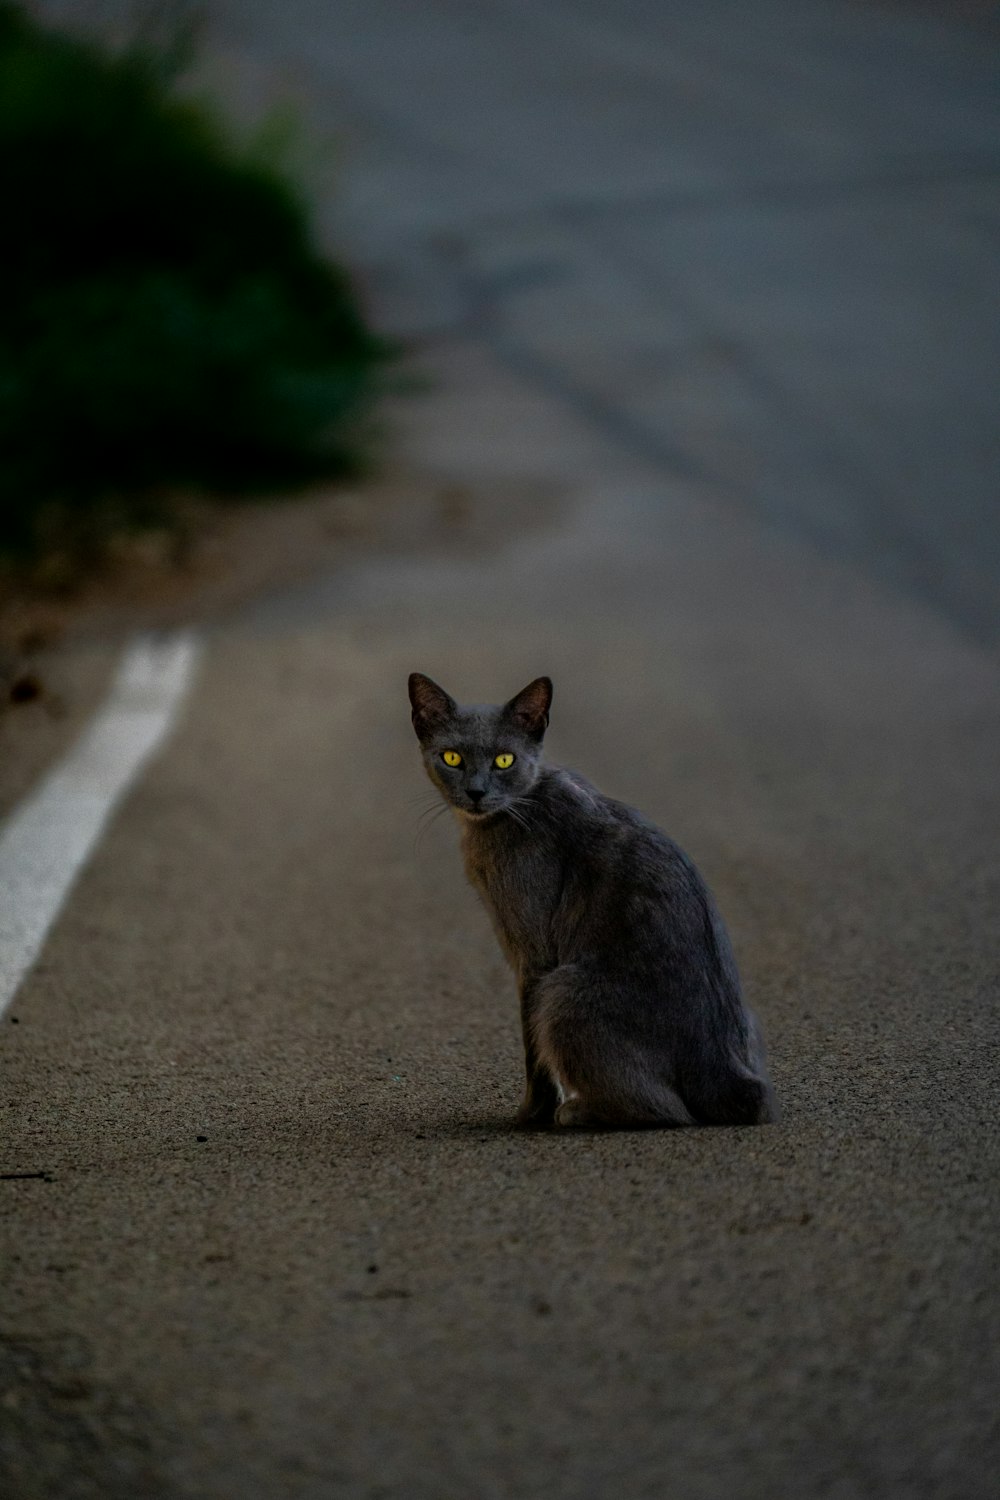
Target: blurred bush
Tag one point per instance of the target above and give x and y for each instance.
(166, 321)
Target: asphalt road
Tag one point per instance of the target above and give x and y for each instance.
(705, 297)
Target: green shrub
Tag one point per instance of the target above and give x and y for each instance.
(166, 321)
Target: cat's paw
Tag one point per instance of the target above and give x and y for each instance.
(573, 1114)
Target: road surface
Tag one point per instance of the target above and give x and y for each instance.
(705, 296)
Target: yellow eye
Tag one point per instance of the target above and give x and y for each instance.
(504, 761)
(451, 757)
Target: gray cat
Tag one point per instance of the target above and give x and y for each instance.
(630, 1000)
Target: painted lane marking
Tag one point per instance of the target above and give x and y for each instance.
(51, 835)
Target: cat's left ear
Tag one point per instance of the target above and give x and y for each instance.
(530, 708)
(431, 705)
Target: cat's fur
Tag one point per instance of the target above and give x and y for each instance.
(630, 999)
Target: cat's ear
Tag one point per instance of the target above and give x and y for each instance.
(431, 705)
(530, 708)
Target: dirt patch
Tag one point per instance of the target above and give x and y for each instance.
(58, 648)
(221, 558)
(49, 686)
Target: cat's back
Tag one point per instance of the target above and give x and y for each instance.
(623, 842)
(574, 852)
(629, 884)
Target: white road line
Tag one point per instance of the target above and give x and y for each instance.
(51, 835)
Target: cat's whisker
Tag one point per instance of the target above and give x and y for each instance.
(432, 807)
(429, 816)
(518, 818)
(422, 830)
(513, 807)
(424, 799)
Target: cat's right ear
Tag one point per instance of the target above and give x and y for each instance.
(431, 705)
(530, 708)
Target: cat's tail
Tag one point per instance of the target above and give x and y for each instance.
(741, 1098)
(738, 1091)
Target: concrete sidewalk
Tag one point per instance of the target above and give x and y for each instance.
(705, 300)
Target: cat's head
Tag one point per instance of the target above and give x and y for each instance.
(481, 758)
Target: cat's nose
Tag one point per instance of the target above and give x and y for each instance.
(476, 794)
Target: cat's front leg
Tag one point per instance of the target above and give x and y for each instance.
(541, 1097)
(540, 1100)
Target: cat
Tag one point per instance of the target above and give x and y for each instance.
(631, 1008)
